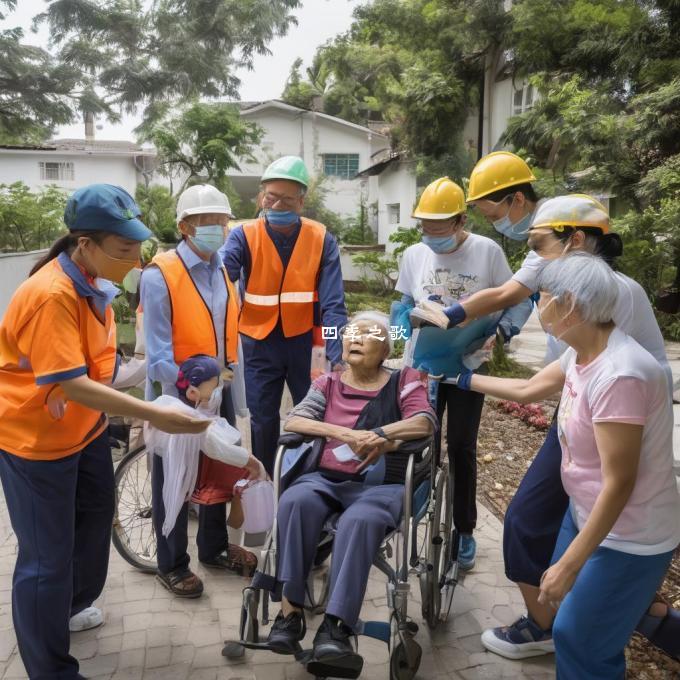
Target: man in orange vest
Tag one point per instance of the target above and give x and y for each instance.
(282, 260)
(191, 307)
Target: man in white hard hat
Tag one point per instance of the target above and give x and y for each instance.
(191, 308)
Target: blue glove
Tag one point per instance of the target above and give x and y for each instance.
(463, 380)
(455, 313)
(508, 331)
(435, 298)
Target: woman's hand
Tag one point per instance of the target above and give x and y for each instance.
(372, 454)
(174, 421)
(356, 439)
(556, 582)
(254, 468)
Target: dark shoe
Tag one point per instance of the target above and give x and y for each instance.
(286, 633)
(334, 654)
(662, 631)
(181, 583)
(235, 559)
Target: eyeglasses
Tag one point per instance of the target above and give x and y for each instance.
(269, 200)
(442, 231)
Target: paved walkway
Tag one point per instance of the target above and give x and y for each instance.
(149, 635)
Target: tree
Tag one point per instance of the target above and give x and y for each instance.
(203, 142)
(30, 220)
(109, 56)
(158, 211)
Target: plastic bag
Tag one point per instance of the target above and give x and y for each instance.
(238, 386)
(257, 499)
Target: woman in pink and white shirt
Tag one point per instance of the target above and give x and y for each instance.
(615, 425)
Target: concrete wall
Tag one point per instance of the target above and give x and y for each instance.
(350, 271)
(397, 186)
(24, 166)
(14, 268)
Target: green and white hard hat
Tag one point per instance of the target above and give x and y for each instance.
(291, 168)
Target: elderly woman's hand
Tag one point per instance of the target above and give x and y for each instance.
(358, 440)
(372, 453)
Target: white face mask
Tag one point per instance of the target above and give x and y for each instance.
(212, 405)
(549, 326)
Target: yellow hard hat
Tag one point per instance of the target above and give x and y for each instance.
(440, 200)
(496, 171)
(572, 210)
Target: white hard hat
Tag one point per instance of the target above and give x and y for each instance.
(202, 198)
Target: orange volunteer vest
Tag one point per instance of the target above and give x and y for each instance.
(27, 429)
(272, 291)
(193, 330)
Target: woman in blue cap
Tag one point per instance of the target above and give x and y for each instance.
(57, 362)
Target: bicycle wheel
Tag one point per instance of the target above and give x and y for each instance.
(133, 535)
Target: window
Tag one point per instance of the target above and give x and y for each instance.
(343, 165)
(56, 172)
(393, 213)
(523, 99)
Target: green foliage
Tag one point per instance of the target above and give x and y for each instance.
(315, 206)
(502, 366)
(110, 56)
(203, 142)
(30, 220)
(158, 211)
(357, 231)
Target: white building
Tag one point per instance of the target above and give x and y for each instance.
(72, 163)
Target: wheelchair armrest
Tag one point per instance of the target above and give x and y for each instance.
(415, 445)
(293, 439)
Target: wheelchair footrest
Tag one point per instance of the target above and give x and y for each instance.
(378, 630)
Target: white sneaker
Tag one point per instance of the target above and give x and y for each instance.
(521, 640)
(90, 617)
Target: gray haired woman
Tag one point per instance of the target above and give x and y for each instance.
(615, 428)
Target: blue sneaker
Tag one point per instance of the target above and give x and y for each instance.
(521, 640)
(466, 552)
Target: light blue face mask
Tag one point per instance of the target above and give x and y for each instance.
(278, 219)
(516, 231)
(208, 239)
(441, 244)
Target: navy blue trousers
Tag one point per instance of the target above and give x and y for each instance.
(368, 513)
(61, 512)
(535, 514)
(211, 537)
(269, 364)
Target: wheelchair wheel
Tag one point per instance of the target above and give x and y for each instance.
(405, 652)
(133, 535)
(439, 551)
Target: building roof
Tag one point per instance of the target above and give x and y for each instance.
(84, 147)
(254, 107)
(377, 168)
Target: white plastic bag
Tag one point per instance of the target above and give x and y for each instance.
(257, 499)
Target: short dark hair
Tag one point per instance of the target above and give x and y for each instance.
(526, 188)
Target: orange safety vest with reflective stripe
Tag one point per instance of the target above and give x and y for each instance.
(273, 291)
(193, 330)
(49, 298)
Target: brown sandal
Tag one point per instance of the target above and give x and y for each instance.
(181, 583)
(236, 559)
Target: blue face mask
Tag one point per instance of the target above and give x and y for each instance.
(516, 231)
(278, 219)
(441, 244)
(208, 239)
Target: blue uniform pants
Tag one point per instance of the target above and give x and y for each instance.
(600, 612)
(535, 514)
(61, 512)
(268, 365)
(171, 551)
(368, 513)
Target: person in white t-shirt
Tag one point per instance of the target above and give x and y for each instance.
(615, 427)
(450, 264)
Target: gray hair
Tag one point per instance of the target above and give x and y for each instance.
(378, 318)
(584, 280)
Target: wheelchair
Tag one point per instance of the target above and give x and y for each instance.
(425, 545)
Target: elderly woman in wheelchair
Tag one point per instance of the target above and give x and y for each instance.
(365, 415)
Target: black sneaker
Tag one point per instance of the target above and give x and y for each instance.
(286, 633)
(334, 654)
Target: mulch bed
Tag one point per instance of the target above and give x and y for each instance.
(506, 447)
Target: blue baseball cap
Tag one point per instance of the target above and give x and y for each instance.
(196, 370)
(105, 207)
